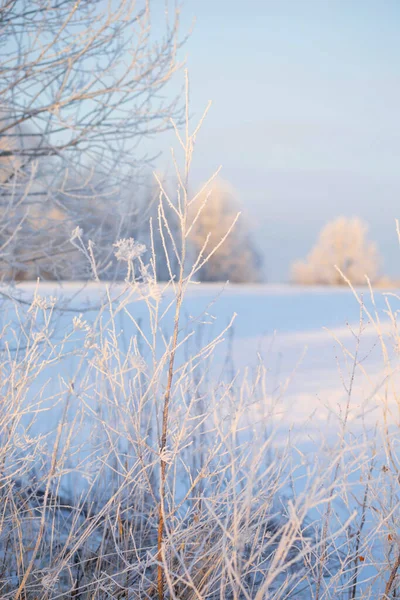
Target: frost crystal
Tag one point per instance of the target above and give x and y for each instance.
(128, 249)
(138, 363)
(78, 323)
(166, 455)
(38, 336)
(49, 581)
(76, 234)
(42, 302)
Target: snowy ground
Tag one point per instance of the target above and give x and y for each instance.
(303, 336)
(295, 332)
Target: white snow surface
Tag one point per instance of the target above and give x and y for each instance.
(296, 332)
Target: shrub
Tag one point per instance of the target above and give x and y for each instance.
(342, 243)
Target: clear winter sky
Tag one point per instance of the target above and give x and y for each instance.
(305, 117)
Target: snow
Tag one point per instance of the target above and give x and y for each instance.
(302, 336)
(295, 332)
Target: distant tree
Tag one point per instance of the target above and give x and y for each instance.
(342, 242)
(237, 259)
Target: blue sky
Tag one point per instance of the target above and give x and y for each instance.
(305, 115)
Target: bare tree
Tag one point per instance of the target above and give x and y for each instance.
(237, 259)
(82, 83)
(342, 243)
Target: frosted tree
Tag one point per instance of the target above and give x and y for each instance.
(342, 242)
(81, 83)
(34, 229)
(236, 259)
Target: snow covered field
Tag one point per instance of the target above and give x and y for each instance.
(301, 335)
(309, 371)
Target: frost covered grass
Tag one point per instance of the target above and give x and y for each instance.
(137, 461)
(254, 505)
